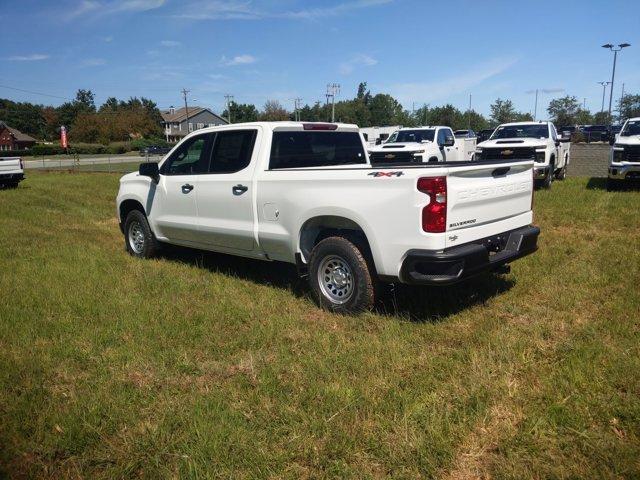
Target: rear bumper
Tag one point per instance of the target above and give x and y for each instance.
(11, 177)
(452, 265)
(625, 172)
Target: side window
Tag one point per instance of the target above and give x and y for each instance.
(554, 134)
(441, 136)
(232, 151)
(188, 159)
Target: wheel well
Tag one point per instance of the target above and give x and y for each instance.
(317, 229)
(128, 206)
(432, 159)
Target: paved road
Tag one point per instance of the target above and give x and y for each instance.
(102, 160)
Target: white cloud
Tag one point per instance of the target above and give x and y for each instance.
(358, 61)
(170, 43)
(112, 7)
(108, 39)
(246, 10)
(93, 62)
(244, 59)
(34, 57)
(441, 89)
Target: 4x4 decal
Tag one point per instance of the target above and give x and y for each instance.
(386, 174)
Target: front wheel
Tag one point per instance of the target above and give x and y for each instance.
(138, 237)
(549, 178)
(340, 276)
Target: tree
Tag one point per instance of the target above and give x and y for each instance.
(363, 94)
(241, 112)
(273, 111)
(385, 110)
(583, 117)
(564, 111)
(600, 118)
(502, 111)
(629, 107)
(85, 100)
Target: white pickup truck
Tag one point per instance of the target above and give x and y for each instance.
(11, 171)
(537, 141)
(305, 193)
(624, 163)
(423, 145)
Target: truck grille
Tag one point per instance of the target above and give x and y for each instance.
(509, 153)
(632, 154)
(393, 157)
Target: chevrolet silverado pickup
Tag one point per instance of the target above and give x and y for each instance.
(306, 193)
(624, 162)
(423, 145)
(11, 171)
(537, 141)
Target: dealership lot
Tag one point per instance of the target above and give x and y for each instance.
(206, 365)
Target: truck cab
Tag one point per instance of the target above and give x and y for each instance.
(538, 141)
(624, 159)
(423, 145)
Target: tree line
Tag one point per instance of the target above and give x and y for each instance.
(121, 120)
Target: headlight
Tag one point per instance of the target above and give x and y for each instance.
(540, 156)
(618, 154)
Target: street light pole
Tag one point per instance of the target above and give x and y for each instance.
(604, 89)
(613, 73)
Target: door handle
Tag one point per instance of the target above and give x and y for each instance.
(239, 189)
(186, 188)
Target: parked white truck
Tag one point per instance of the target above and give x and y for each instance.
(624, 162)
(305, 193)
(423, 145)
(537, 141)
(11, 171)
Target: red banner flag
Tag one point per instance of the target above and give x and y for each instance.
(63, 137)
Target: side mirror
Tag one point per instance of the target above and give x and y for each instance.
(557, 143)
(449, 141)
(150, 169)
(612, 140)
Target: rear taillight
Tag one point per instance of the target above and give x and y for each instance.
(533, 185)
(434, 215)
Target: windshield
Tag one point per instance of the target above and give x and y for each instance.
(416, 136)
(521, 131)
(631, 128)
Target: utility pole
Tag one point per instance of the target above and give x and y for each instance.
(604, 90)
(469, 133)
(424, 110)
(620, 106)
(333, 89)
(186, 92)
(613, 73)
(535, 108)
(296, 107)
(228, 98)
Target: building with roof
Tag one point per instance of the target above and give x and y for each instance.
(14, 139)
(176, 125)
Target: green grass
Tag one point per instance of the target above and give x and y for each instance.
(206, 366)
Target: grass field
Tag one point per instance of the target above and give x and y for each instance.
(206, 366)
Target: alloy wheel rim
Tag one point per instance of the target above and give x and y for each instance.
(136, 237)
(335, 279)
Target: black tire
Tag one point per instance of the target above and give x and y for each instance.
(549, 178)
(562, 173)
(137, 226)
(336, 259)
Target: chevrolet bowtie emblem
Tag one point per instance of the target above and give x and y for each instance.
(453, 238)
(507, 152)
(389, 155)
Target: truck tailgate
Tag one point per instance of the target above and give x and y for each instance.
(479, 195)
(9, 164)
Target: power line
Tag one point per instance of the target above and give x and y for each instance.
(34, 93)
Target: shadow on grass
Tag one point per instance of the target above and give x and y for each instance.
(418, 304)
(598, 183)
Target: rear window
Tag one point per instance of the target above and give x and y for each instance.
(315, 149)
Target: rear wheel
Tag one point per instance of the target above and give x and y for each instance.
(138, 237)
(340, 276)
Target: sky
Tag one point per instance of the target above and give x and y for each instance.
(421, 52)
